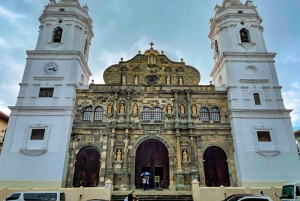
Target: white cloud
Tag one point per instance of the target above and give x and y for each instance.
(4, 108)
(9, 15)
(3, 43)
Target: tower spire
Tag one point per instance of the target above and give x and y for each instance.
(70, 2)
(233, 2)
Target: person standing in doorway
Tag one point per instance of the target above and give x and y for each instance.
(148, 184)
(144, 182)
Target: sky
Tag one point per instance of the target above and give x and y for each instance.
(178, 27)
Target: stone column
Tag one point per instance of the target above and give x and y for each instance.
(125, 174)
(101, 178)
(176, 107)
(128, 108)
(132, 171)
(188, 98)
(71, 169)
(179, 174)
(194, 172)
(115, 106)
(110, 159)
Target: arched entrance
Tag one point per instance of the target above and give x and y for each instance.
(87, 168)
(152, 156)
(216, 167)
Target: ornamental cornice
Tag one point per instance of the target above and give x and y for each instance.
(259, 114)
(42, 111)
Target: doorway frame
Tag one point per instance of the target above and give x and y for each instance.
(171, 152)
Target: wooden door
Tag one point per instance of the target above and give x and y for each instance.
(215, 167)
(152, 156)
(87, 168)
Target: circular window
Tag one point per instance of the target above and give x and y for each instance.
(152, 79)
(59, 21)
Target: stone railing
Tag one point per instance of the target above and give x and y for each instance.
(220, 193)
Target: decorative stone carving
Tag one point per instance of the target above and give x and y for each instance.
(136, 80)
(185, 155)
(119, 155)
(168, 80)
(122, 108)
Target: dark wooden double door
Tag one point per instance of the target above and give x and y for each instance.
(216, 167)
(152, 156)
(87, 168)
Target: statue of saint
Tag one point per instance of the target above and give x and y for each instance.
(119, 155)
(169, 109)
(194, 109)
(185, 156)
(180, 81)
(152, 59)
(122, 109)
(181, 109)
(168, 80)
(109, 108)
(123, 80)
(136, 80)
(134, 109)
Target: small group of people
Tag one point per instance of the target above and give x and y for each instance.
(146, 184)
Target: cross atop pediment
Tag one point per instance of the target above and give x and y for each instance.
(151, 45)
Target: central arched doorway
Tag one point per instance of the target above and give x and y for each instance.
(152, 156)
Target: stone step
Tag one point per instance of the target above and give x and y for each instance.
(155, 197)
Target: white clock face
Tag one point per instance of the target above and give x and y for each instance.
(50, 69)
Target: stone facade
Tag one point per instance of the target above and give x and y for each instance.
(178, 128)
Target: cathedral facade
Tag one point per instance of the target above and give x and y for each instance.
(151, 117)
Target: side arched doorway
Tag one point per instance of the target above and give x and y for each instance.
(152, 156)
(216, 167)
(87, 166)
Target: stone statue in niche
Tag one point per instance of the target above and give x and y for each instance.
(136, 80)
(185, 155)
(109, 109)
(123, 80)
(180, 81)
(169, 109)
(244, 35)
(182, 109)
(134, 109)
(194, 109)
(151, 59)
(168, 80)
(119, 155)
(122, 109)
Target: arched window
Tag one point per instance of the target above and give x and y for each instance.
(157, 114)
(87, 113)
(204, 113)
(57, 34)
(215, 114)
(216, 46)
(146, 114)
(244, 33)
(256, 99)
(98, 115)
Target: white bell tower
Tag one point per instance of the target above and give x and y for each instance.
(265, 148)
(35, 151)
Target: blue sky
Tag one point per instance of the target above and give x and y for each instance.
(178, 27)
